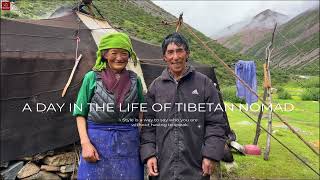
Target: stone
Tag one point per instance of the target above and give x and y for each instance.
(63, 175)
(12, 171)
(230, 167)
(49, 168)
(4, 164)
(74, 175)
(245, 123)
(43, 175)
(41, 156)
(67, 168)
(28, 170)
(61, 159)
(27, 158)
(216, 173)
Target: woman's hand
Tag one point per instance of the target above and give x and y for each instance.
(89, 152)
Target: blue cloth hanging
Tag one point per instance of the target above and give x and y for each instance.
(118, 148)
(246, 70)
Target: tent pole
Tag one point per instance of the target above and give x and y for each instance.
(265, 92)
(269, 96)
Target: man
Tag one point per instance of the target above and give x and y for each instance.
(176, 142)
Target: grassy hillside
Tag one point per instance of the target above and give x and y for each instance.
(137, 21)
(296, 44)
(145, 24)
(303, 33)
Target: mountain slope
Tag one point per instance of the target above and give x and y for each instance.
(141, 20)
(296, 44)
(252, 30)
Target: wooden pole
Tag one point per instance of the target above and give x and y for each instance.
(226, 66)
(179, 22)
(266, 85)
(71, 76)
(258, 128)
(269, 96)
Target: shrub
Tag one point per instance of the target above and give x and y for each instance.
(283, 94)
(11, 14)
(280, 89)
(310, 94)
(313, 82)
(229, 94)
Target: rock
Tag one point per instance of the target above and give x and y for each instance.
(40, 156)
(63, 175)
(4, 164)
(216, 174)
(28, 170)
(245, 123)
(67, 168)
(230, 167)
(27, 158)
(12, 170)
(74, 175)
(60, 159)
(43, 175)
(49, 168)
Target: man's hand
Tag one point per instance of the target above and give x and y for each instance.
(152, 166)
(207, 166)
(89, 152)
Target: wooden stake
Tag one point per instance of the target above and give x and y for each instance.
(267, 85)
(179, 22)
(71, 76)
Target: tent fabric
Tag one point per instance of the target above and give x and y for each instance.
(37, 57)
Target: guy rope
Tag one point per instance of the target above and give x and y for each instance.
(230, 71)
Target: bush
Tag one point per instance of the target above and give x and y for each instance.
(310, 94)
(284, 94)
(10, 14)
(313, 82)
(229, 94)
(280, 89)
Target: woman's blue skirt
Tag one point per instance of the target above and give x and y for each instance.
(118, 148)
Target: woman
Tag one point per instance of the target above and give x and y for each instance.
(110, 147)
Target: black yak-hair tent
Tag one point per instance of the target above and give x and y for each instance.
(37, 57)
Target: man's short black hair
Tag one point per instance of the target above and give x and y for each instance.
(177, 39)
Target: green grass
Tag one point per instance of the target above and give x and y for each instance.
(305, 116)
(281, 164)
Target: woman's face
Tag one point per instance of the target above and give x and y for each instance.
(117, 59)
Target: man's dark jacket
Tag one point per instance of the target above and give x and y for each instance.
(181, 146)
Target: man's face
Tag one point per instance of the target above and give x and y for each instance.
(117, 59)
(176, 58)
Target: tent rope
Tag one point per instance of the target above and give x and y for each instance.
(293, 153)
(215, 56)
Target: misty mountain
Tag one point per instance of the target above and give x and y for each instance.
(264, 20)
(296, 44)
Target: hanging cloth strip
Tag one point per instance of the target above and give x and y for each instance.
(246, 70)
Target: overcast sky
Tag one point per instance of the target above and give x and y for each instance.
(211, 16)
